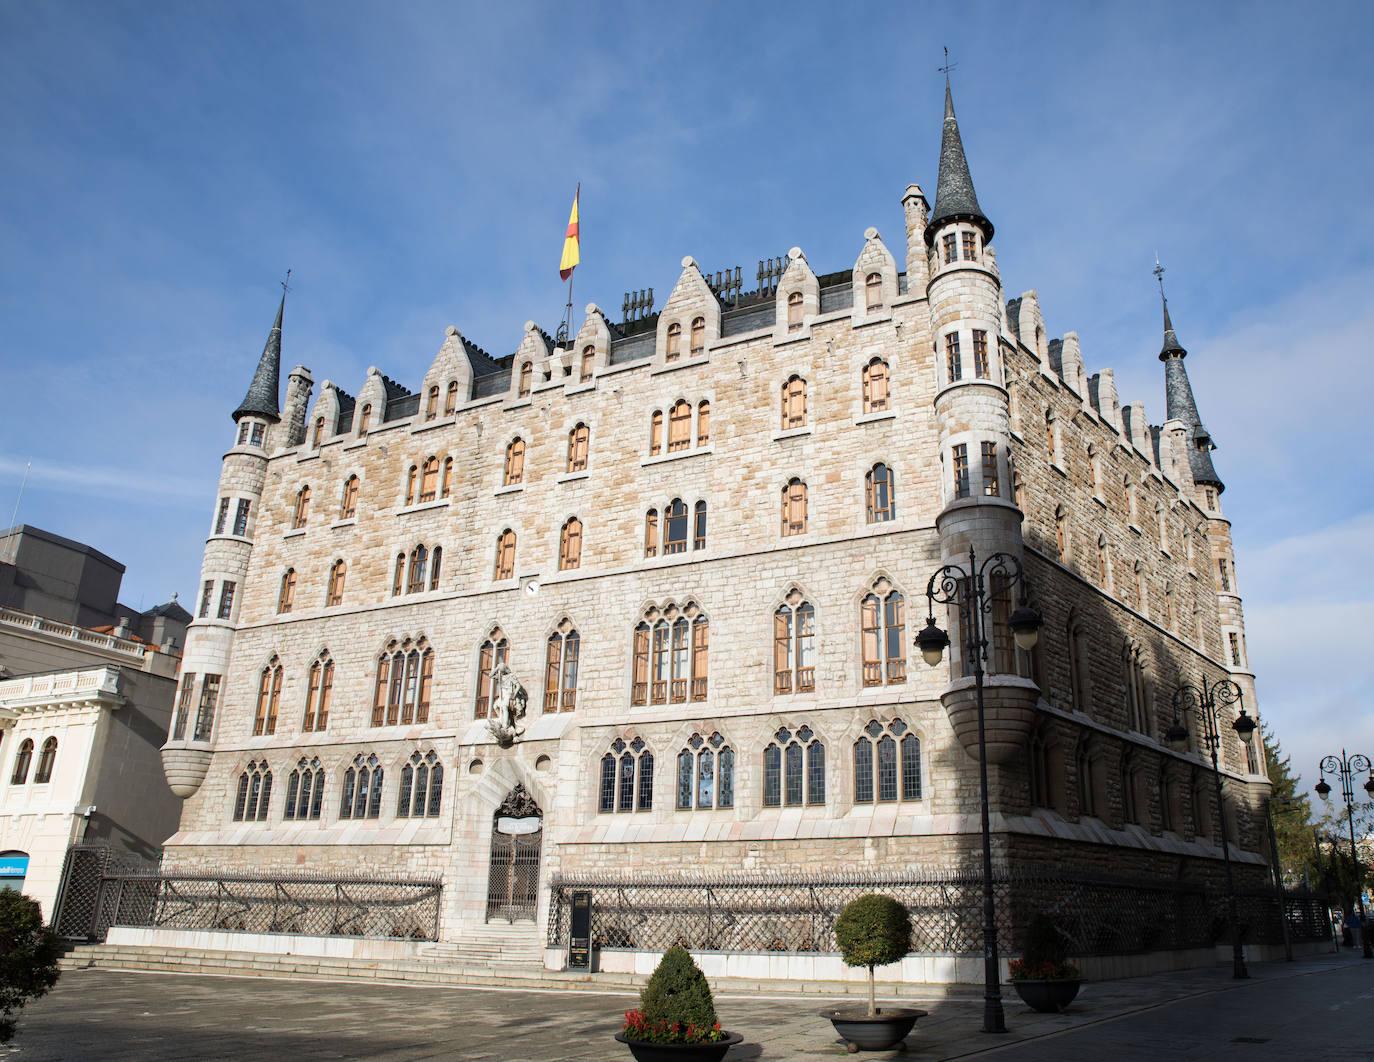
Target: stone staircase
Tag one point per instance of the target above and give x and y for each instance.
(512, 947)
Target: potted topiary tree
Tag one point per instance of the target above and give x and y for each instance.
(28, 957)
(676, 1019)
(1043, 977)
(873, 931)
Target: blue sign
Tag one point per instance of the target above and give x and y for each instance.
(14, 866)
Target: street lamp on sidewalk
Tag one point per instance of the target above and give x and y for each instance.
(967, 589)
(1204, 701)
(1346, 767)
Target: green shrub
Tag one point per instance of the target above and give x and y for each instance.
(873, 931)
(676, 1005)
(28, 957)
(1046, 954)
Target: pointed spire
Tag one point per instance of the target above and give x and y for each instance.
(1180, 403)
(955, 199)
(262, 397)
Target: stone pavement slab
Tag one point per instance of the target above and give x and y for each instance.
(113, 1014)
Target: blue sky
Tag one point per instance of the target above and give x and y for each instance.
(165, 163)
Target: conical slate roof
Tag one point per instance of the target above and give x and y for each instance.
(955, 199)
(261, 399)
(1182, 406)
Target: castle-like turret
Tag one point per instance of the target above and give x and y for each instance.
(210, 639)
(966, 311)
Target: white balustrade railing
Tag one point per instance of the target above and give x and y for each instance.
(61, 685)
(28, 621)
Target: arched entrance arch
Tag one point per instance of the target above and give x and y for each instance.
(513, 876)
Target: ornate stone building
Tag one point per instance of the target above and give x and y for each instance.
(697, 542)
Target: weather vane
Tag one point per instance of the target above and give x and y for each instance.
(286, 284)
(948, 65)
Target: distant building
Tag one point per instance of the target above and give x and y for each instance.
(86, 690)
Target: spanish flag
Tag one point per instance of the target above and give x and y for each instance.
(572, 248)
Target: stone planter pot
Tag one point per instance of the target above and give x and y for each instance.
(644, 1051)
(1048, 997)
(880, 1033)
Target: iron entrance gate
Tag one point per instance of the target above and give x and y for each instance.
(517, 830)
(89, 892)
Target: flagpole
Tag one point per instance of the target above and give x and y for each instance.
(566, 330)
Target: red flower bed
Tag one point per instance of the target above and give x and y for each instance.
(637, 1027)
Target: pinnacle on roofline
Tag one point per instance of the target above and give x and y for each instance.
(1172, 347)
(262, 397)
(955, 199)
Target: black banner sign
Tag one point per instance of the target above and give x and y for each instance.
(580, 942)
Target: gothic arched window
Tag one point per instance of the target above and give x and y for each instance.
(429, 479)
(418, 570)
(579, 440)
(887, 763)
(422, 787)
(304, 791)
(883, 623)
(254, 793)
(675, 527)
(302, 510)
(651, 533)
(706, 774)
(794, 311)
(515, 463)
(505, 556)
(673, 350)
(348, 503)
(794, 769)
(588, 362)
(286, 596)
(627, 777)
(873, 292)
(655, 432)
(703, 422)
(880, 494)
(794, 646)
(526, 379)
(338, 573)
(451, 399)
(405, 675)
(698, 335)
(793, 403)
(560, 669)
(361, 795)
(875, 386)
(432, 402)
(365, 418)
(570, 545)
(494, 651)
(269, 698)
(680, 426)
(699, 526)
(671, 652)
(794, 507)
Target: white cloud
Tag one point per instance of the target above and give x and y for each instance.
(101, 481)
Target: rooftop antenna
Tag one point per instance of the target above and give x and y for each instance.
(14, 516)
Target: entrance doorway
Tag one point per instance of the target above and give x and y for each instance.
(513, 879)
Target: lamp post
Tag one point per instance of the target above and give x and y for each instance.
(1204, 701)
(953, 585)
(1347, 767)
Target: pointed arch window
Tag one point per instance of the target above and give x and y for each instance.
(675, 527)
(699, 526)
(317, 436)
(794, 507)
(405, 679)
(1080, 670)
(418, 570)
(793, 403)
(22, 759)
(651, 533)
(492, 652)
(304, 791)
(794, 769)
(876, 384)
(429, 479)
(47, 757)
(673, 350)
(1104, 566)
(703, 422)
(269, 698)
(1051, 437)
(627, 777)
(451, 398)
(794, 646)
(579, 440)
(794, 311)
(883, 622)
(319, 692)
(302, 511)
(505, 556)
(361, 795)
(570, 545)
(254, 794)
(436, 558)
(588, 362)
(656, 433)
(887, 763)
(526, 380)
(680, 426)
(365, 418)
(515, 462)
(1095, 468)
(698, 335)
(446, 478)
(880, 494)
(1061, 533)
(560, 669)
(432, 402)
(398, 579)
(338, 573)
(422, 787)
(671, 656)
(1142, 590)
(873, 292)
(706, 774)
(286, 596)
(412, 481)
(348, 502)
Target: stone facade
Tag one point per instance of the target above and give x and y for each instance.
(1081, 776)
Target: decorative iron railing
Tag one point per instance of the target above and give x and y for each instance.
(311, 906)
(1098, 915)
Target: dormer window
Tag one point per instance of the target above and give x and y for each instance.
(698, 336)
(673, 350)
(432, 403)
(794, 312)
(365, 418)
(873, 292)
(451, 399)
(243, 431)
(970, 247)
(318, 436)
(256, 433)
(526, 380)
(588, 361)
(951, 245)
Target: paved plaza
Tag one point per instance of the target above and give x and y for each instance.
(1318, 1008)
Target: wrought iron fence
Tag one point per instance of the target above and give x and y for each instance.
(87, 894)
(1099, 915)
(313, 906)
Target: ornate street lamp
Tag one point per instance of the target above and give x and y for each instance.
(953, 585)
(1204, 701)
(1346, 767)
